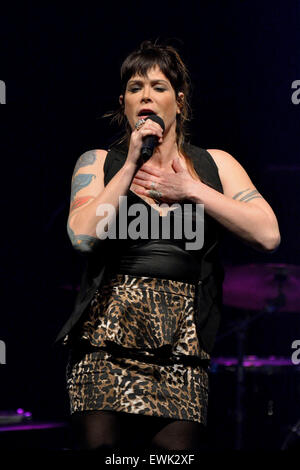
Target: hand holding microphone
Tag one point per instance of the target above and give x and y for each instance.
(144, 139)
(150, 141)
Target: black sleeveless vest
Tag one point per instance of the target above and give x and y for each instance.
(208, 294)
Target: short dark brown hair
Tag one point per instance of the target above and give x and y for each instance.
(166, 57)
(147, 56)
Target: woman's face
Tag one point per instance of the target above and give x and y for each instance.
(151, 93)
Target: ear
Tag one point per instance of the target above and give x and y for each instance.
(121, 100)
(180, 100)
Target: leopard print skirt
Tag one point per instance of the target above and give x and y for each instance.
(136, 351)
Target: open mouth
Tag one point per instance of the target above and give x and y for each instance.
(145, 113)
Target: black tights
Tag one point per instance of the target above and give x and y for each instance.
(93, 430)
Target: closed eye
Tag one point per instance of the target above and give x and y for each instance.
(157, 88)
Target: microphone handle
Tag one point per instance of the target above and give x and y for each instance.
(148, 146)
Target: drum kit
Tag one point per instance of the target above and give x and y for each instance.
(262, 293)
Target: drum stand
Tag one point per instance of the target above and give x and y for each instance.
(292, 440)
(272, 305)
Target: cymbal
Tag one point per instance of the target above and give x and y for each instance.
(275, 287)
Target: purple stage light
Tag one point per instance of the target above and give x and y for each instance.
(254, 361)
(31, 427)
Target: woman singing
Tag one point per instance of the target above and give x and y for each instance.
(147, 313)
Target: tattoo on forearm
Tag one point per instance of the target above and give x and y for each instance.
(87, 158)
(80, 201)
(81, 242)
(79, 182)
(250, 194)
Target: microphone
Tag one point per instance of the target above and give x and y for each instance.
(151, 141)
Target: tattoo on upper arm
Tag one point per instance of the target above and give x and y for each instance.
(79, 182)
(238, 194)
(247, 195)
(87, 158)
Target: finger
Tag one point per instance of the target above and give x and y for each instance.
(144, 183)
(142, 133)
(141, 191)
(139, 181)
(155, 130)
(152, 125)
(177, 165)
(148, 169)
(141, 176)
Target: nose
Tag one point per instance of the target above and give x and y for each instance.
(146, 95)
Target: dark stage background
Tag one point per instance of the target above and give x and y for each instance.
(61, 66)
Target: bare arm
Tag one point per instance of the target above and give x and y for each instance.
(241, 209)
(88, 192)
